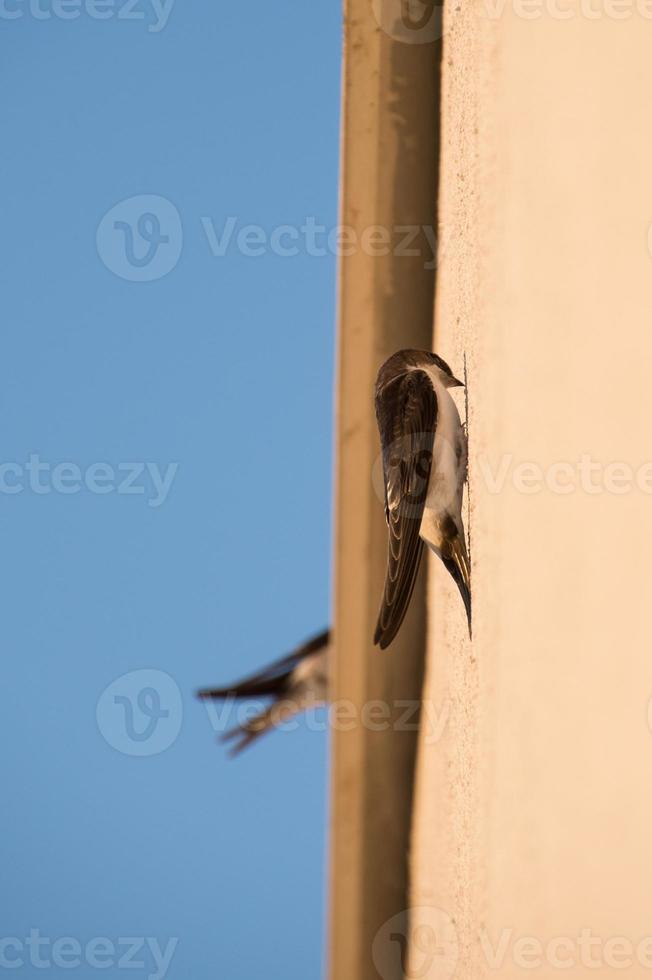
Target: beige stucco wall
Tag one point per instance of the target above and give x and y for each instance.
(534, 808)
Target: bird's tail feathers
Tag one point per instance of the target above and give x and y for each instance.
(270, 718)
(457, 563)
(242, 736)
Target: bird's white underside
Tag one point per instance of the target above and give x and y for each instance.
(309, 684)
(446, 484)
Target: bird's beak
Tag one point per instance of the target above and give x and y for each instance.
(455, 383)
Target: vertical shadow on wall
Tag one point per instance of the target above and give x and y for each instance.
(408, 281)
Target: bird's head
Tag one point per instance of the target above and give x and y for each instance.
(448, 378)
(407, 360)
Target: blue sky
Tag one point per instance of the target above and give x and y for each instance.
(165, 487)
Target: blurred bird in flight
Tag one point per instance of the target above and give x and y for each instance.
(424, 451)
(294, 683)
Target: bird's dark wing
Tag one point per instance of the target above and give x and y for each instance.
(271, 680)
(406, 410)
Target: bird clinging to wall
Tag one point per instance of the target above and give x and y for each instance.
(424, 450)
